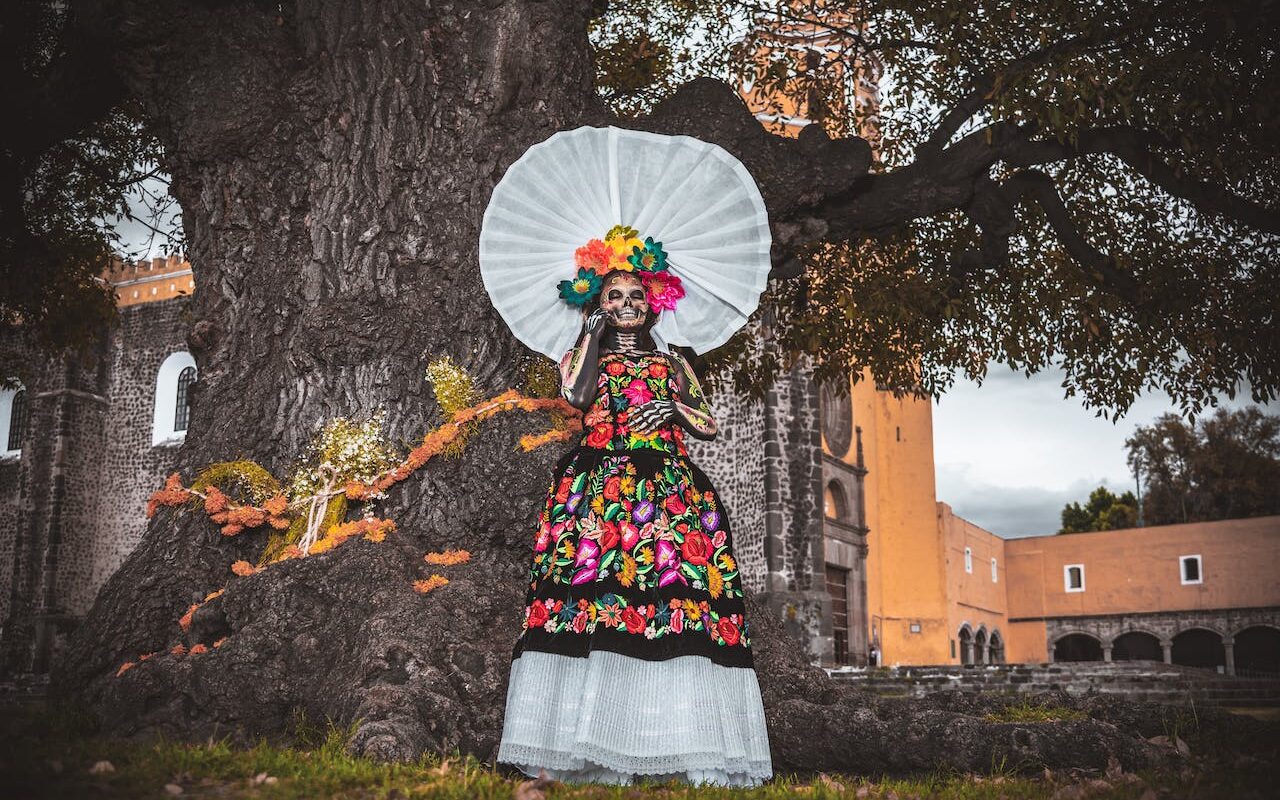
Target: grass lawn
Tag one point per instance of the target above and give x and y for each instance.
(48, 754)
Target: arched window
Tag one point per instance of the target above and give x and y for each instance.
(834, 503)
(182, 411)
(13, 420)
(172, 399)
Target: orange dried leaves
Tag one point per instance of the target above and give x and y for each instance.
(197, 649)
(125, 667)
(185, 620)
(448, 557)
(375, 530)
(429, 584)
(243, 568)
(173, 494)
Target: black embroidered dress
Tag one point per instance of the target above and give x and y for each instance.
(635, 658)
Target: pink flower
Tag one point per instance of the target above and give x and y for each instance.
(637, 392)
(663, 289)
(580, 622)
(677, 620)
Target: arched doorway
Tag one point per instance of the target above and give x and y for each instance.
(1136, 646)
(1257, 651)
(997, 648)
(1199, 648)
(966, 646)
(980, 654)
(1077, 647)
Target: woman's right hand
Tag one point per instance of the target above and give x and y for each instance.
(595, 321)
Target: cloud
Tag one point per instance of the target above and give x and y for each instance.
(1011, 512)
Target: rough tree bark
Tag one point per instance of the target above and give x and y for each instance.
(333, 164)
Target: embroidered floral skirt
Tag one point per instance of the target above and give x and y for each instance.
(635, 657)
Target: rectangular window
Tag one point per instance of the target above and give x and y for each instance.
(1073, 577)
(968, 560)
(1191, 569)
(995, 577)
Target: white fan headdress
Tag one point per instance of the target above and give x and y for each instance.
(691, 197)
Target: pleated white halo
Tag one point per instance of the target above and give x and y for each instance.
(692, 196)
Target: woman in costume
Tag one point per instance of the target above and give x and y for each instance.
(635, 656)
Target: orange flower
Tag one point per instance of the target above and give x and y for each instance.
(125, 667)
(243, 568)
(198, 649)
(178, 650)
(430, 584)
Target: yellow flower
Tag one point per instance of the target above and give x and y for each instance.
(692, 610)
(646, 555)
(726, 561)
(628, 485)
(568, 549)
(623, 247)
(628, 574)
(597, 504)
(715, 583)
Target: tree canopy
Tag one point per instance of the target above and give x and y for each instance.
(1075, 183)
(1220, 467)
(1104, 511)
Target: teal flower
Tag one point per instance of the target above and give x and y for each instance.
(581, 289)
(650, 258)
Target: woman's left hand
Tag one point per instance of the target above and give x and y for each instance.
(646, 419)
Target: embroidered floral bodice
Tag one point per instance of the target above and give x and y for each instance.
(626, 383)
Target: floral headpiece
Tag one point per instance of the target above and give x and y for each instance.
(622, 249)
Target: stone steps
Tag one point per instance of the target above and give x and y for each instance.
(1138, 680)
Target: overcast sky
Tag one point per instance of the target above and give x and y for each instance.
(1009, 454)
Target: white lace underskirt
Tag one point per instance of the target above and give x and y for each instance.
(610, 718)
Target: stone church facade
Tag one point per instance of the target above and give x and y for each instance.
(87, 444)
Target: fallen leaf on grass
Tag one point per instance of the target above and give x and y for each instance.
(262, 778)
(173, 789)
(99, 768)
(829, 782)
(534, 789)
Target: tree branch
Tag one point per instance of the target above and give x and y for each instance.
(1135, 148)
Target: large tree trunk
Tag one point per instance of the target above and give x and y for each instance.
(333, 166)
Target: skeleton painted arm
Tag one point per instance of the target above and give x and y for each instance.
(694, 412)
(579, 369)
(695, 415)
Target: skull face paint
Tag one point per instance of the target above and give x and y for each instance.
(624, 301)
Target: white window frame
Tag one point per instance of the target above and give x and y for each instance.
(6, 418)
(1182, 569)
(166, 399)
(995, 572)
(1066, 577)
(968, 560)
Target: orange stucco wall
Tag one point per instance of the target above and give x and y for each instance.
(150, 280)
(1137, 569)
(906, 562)
(973, 597)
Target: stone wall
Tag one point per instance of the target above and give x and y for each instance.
(73, 503)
